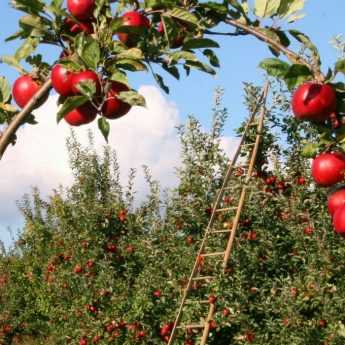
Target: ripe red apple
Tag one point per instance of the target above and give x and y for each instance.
(111, 247)
(130, 249)
(81, 9)
(113, 108)
(135, 19)
(312, 101)
(226, 312)
(62, 80)
(7, 329)
(84, 76)
(81, 115)
(78, 269)
(339, 220)
(212, 299)
(83, 341)
(250, 336)
(308, 230)
(157, 293)
(141, 334)
(190, 240)
(96, 339)
(166, 329)
(301, 181)
(90, 263)
(24, 88)
(328, 168)
(189, 342)
(81, 26)
(336, 200)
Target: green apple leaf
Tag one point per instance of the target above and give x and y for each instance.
(275, 67)
(197, 43)
(132, 98)
(5, 90)
(104, 127)
(340, 66)
(69, 104)
(183, 15)
(266, 8)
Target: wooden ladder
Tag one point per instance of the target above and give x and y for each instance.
(256, 120)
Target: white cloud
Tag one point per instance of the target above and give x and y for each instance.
(144, 136)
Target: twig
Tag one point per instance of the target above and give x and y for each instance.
(18, 119)
(292, 56)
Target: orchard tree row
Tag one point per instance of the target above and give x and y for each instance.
(91, 268)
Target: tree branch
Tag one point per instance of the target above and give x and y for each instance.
(18, 119)
(292, 56)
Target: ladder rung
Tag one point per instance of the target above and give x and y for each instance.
(226, 209)
(212, 254)
(219, 231)
(204, 278)
(191, 326)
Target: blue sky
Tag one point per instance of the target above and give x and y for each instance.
(239, 60)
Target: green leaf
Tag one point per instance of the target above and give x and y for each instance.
(212, 57)
(275, 67)
(5, 90)
(266, 8)
(70, 104)
(201, 66)
(289, 9)
(182, 55)
(173, 70)
(183, 15)
(87, 88)
(33, 22)
(310, 150)
(197, 43)
(131, 65)
(296, 75)
(27, 48)
(160, 82)
(90, 52)
(104, 127)
(119, 76)
(132, 53)
(305, 40)
(13, 62)
(340, 66)
(132, 98)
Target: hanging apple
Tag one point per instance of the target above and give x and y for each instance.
(113, 107)
(62, 80)
(336, 200)
(24, 88)
(314, 102)
(339, 221)
(328, 168)
(81, 115)
(81, 9)
(133, 19)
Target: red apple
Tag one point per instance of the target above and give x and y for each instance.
(113, 108)
(81, 9)
(301, 180)
(78, 269)
(339, 220)
(83, 341)
(111, 247)
(135, 19)
(81, 115)
(328, 168)
(335, 200)
(226, 312)
(212, 299)
(62, 80)
(157, 293)
(312, 101)
(308, 230)
(24, 88)
(81, 26)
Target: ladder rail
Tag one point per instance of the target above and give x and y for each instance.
(248, 177)
(260, 104)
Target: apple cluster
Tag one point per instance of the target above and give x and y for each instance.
(69, 82)
(317, 102)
